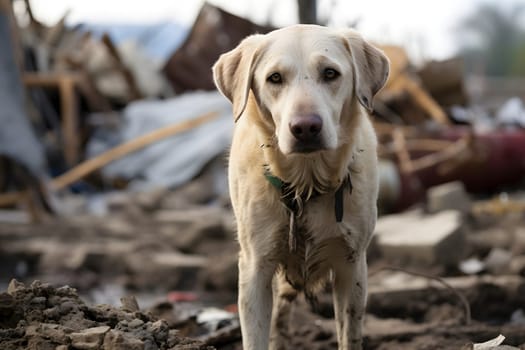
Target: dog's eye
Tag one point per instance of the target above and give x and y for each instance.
(330, 74)
(275, 78)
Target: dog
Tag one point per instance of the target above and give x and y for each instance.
(302, 174)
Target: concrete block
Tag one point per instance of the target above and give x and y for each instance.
(419, 238)
(448, 196)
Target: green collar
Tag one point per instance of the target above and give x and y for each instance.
(291, 203)
(274, 180)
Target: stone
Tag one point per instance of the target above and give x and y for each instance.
(418, 238)
(129, 303)
(14, 286)
(53, 332)
(448, 196)
(89, 339)
(116, 340)
(160, 330)
(136, 323)
(39, 343)
(498, 261)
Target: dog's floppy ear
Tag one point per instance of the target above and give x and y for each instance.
(371, 67)
(233, 73)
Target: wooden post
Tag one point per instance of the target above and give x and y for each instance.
(401, 151)
(307, 11)
(69, 109)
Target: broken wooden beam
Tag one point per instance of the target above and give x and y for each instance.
(122, 150)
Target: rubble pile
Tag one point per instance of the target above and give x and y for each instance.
(40, 317)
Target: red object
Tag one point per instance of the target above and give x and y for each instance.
(498, 161)
(182, 296)
(501, 162)
(233, 308)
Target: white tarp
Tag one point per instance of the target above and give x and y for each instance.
(176, 160)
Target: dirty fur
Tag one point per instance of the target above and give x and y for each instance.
(270, 273)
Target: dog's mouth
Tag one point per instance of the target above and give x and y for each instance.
(308, 147)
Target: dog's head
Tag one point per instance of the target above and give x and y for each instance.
(303, 78)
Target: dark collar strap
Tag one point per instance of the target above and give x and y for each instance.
(339, 199)
(290, 203)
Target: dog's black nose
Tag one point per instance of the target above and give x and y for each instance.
(306, 128)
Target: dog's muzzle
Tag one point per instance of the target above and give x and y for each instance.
(306, 130)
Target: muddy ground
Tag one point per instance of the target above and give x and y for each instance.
(178, 258)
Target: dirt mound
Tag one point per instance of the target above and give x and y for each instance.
(43, 317)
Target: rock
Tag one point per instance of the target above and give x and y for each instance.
(160, 330)
(451, 195)
(89, 339)
(136, 323)
(116, 340)
(417, 238)
(129, 303)
(41, 317)
(498, 261)
(53, 332)
(14, 286)
(39, 343)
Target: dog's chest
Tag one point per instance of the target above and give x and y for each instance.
(321, 244)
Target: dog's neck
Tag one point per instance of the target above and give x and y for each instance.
(320, 172)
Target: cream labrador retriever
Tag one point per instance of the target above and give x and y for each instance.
(302, 174)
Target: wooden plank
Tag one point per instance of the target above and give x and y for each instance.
(120, 151)
(134, 90)
(423, 99)
(419, 145)
(448, 153)
(401, 150)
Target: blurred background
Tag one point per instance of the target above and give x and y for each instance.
(113, 146)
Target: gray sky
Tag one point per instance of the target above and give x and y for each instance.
(425, 28)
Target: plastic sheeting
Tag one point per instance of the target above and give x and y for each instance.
(17, 139)
(176, 160)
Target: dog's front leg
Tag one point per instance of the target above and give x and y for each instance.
(255, 302)
(349, 302)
